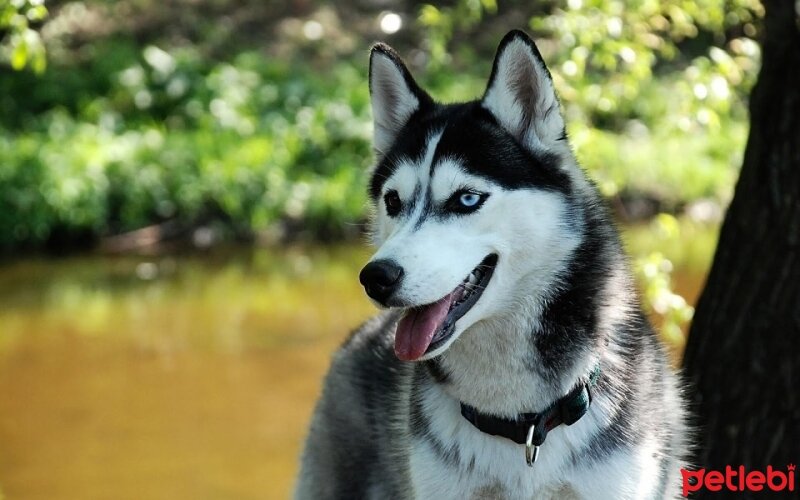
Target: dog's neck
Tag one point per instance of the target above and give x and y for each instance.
(524, 362)
(503, 377)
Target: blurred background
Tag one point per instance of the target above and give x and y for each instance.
(182, 207)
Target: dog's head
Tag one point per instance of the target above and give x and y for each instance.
(472, 201)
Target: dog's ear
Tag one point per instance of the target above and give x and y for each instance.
(394, 94)
(520, 93)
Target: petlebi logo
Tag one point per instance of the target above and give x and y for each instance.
(739, 479)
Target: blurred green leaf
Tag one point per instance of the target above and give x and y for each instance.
(19, 54)
(22, 46)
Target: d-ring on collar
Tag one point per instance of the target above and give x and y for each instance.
(531, 429)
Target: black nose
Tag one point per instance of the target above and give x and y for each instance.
(380, 279)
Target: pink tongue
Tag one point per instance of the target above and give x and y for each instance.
(416, 329)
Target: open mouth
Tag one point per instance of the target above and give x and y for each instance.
(423, 329)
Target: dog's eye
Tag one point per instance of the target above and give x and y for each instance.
(469, 199)
(465, 201)
(393, 203)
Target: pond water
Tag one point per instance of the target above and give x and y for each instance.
(172, 376)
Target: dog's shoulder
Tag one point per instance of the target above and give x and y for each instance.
(365, 359)
(352, 429)
(367, 367)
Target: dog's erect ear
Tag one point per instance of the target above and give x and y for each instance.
(521, 95)
(394, 93)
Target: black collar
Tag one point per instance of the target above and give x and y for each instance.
(566, 410)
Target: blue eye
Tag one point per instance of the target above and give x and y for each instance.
(469, 199)
(465, 201)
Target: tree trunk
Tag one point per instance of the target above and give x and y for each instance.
(742, 355)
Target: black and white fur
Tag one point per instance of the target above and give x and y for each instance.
(560, 301)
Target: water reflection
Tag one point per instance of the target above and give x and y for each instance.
(171, 377)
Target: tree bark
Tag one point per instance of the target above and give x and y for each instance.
(742, 355)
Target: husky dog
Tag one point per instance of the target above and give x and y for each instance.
(514, 361)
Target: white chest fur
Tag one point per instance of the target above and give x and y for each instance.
(454, 460)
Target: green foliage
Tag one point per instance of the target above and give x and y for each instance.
(441, 23)
(22, 46)
(663, 84)
(656, 251)
(653, 271)
(248, 141)
(115, 133)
